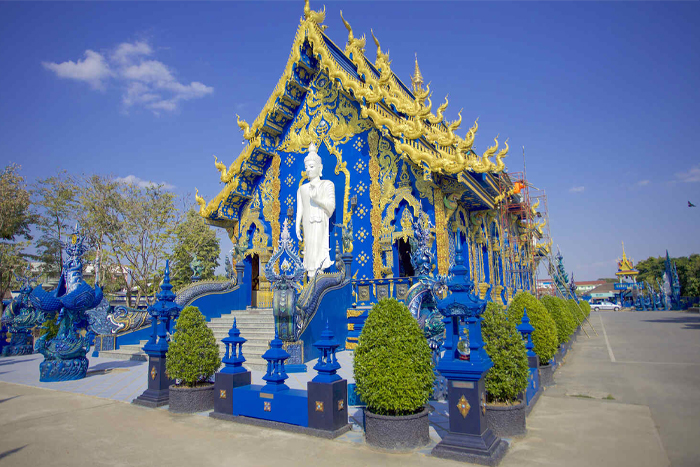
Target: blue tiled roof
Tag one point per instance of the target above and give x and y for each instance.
(340, 57)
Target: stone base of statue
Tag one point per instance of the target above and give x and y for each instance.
(487, 449)
(63, 370)
(158, 392)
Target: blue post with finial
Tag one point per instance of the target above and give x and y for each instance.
(233, 375)
(533, 382)
(469, 438)
(328, 392)
(162, 313)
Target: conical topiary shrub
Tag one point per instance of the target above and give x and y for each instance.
(507, 379)
(392, 361)
(193, 356)
(562, 317)
(545, 335)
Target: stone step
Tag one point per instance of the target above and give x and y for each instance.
(121, 354)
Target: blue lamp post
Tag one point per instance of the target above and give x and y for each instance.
(469, 438)
(162, 312)
(533, 380)
(233, 374)
(327, 392)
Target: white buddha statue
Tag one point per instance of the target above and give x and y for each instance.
(315, 206)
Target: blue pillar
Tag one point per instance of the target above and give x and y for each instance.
(469, 439)
(162, 312)
(533, 382)
(233, 375)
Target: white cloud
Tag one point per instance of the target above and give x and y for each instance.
(146, 82)
(577, 189)
(643, 182)
(93, 69)
(134, 180)
(693, 175)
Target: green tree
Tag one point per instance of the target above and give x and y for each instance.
(56, 200)
(132, 228)
(504, 344)
(566, 324)
(194, 237)
(193, 355)
(15, 220)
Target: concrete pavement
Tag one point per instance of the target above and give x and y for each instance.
(636, 410)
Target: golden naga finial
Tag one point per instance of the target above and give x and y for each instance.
(315, 16)
(485, 164)
(469, 138)
(353, 44)
(454, 125)
(381, 56)
(220, 167)
(500, 166)
(247, 133)
(438, 115)
(200, 201)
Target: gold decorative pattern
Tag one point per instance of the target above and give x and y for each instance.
(463, 406)
(350, 345)
(289, 181)
(267, 406)
(441, 234)
(362, 234)
(374, 195)
(361, 210)
(222, 394)
(341, 404)
(319, 406)
(351, 326)
(360, 166)
(362, 258)
(360, 187)
(354, 313)
(153, 372)
(289, 201)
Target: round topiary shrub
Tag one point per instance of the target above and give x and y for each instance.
(545, 335)
(507, 379)
(566, 325)
(193, 355)
(393, 366)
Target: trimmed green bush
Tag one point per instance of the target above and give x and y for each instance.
(575, 310)
(393, 365)
(566, 325)
(507, 379)
(545, 335)
(586, 307)
(193, 355)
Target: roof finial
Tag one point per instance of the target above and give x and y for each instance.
(417, 78)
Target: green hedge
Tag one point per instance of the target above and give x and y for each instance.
(566, 325)
(392, 364)
(586, 307)
(575, 311)
(507, 379)
(193, 355)
(545, 335)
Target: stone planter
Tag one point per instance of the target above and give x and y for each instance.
(547, 375)
(191, 400)
(507, 420)
(398, 433)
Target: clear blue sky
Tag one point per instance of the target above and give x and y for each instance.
(604, 97)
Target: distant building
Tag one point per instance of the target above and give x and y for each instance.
(583, 287)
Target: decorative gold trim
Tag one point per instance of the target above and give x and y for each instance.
(319, 406)
(463, 406)
(222, 394)
(153, 372)
(354, 313)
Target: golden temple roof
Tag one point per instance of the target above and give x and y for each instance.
(625, 266)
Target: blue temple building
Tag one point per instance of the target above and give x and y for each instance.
(391, 156)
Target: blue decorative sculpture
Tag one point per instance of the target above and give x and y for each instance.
(64, 355)
(673, 283)
(288, 320)
(233, 361)
(423, 296)
(19, 318)
(275, 375)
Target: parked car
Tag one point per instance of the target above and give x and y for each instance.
(605, 306)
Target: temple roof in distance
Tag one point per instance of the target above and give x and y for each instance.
(625, 266)
(404, 115)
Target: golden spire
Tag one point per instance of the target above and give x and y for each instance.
(624, 256)
(417, 78)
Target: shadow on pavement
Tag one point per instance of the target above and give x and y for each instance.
(7, 399)
(11, 451)
(117, 364)
(691, 322)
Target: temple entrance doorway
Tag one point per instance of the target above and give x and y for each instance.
(254, 280)
(403, 249)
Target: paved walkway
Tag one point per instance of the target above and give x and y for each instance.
(626, 397)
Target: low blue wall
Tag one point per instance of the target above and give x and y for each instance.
(333, 308)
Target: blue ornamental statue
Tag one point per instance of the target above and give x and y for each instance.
(423, 296)
(288, 321)
(674, 284)
(64, 354)
(20, 317)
